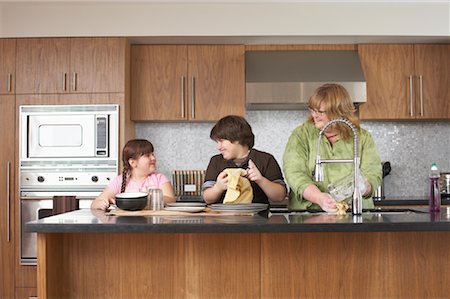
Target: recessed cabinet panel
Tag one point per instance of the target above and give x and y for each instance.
(406, 81)
(71, 65)
(42, 65)
(7, 66)
(158, 82)
(7, 167)
(187, 83)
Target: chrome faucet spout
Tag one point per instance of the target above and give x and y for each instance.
(318, 170)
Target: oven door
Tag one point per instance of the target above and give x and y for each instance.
(36, 207)
(62, 135)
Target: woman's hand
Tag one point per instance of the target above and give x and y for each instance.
(327, 203)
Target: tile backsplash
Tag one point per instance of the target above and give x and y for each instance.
(411, 147)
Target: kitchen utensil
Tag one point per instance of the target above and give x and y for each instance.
(131, 201)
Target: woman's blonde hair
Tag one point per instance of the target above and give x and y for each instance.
(337, 104)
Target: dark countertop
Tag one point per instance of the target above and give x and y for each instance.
(87, 221)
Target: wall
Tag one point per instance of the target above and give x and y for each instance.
(321, 19)
(411, 147)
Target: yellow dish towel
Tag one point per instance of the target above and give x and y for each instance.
(239, 190)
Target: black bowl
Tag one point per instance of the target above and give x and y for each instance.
(131, 201)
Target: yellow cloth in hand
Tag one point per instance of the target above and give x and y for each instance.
(239, 189)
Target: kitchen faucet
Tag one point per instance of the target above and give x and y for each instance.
(318, 170)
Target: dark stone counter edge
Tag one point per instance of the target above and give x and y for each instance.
(238, 228)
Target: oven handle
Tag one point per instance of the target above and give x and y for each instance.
(43, 195)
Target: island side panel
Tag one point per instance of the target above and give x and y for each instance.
(356, 265)
(51, 265)
(128, 265)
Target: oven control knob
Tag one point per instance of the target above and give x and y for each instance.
(94, 178)
(40, 179)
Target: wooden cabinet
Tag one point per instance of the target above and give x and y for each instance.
(71, 65)
(7, 65)
(179, 82)
(7, 196)
(406, 81)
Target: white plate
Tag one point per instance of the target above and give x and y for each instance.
(186, 204)
(185, 209)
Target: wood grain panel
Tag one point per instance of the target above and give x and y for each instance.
(387, 69)
(223, 266)
(156, 85)
(313, 47)
(26, 293)
(219, 73)
(150, 266)
(41, 65)
(432, 62)
(356, 265)
(7, 65)
(7, 235)
(99, 64)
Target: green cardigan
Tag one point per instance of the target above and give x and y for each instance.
(300, 156)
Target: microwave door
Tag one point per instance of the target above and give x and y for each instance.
(61, 136)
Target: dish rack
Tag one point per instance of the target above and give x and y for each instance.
(188, 182)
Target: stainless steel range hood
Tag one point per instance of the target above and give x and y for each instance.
(286, 79)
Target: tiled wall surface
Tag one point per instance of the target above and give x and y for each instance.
(411, 147)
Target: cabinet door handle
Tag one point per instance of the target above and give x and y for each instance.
(9, 82)
(182, 96)
(64, 77)
(8, 202)
(193, 99)
(74, 81)
(421, 95)
(411, 111)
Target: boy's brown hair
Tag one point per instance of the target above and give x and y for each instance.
(233, 128)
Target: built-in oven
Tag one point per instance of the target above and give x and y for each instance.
(38, 205)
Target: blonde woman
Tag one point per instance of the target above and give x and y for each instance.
(329, 101)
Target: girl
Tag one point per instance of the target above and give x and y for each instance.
(139, 171)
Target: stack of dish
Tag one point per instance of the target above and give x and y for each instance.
(192, 207)
(240, 208)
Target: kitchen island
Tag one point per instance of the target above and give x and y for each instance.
(86, 254)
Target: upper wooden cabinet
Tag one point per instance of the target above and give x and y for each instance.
(70, 65)
(406, 81)
(179, 82)
(7, 65)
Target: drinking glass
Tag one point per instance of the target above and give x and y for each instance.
(155, 199)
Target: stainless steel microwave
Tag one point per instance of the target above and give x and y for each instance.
(68, 132)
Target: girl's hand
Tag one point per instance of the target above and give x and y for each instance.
(102, 203)
(253, 173)
(222, 181)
